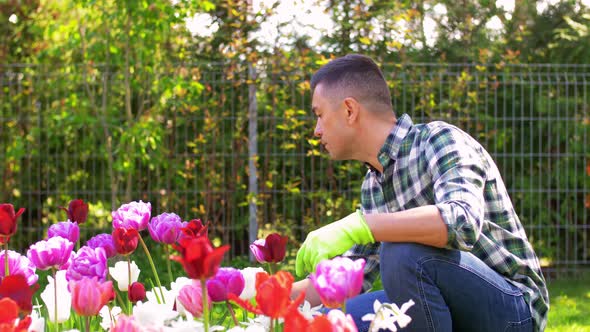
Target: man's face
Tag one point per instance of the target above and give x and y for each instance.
(331, 126)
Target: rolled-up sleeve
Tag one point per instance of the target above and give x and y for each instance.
(458, 175)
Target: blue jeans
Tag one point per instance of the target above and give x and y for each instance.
(452, 291)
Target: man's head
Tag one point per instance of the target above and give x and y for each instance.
(355, 76)
(349, 97)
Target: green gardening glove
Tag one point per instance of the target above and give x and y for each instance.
(332, 240)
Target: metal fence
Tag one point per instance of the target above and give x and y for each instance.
(198, 149)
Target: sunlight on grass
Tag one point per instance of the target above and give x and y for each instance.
(570, 306)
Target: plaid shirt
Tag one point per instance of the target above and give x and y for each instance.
(437, 163)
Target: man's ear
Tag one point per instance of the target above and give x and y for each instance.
(352, 109)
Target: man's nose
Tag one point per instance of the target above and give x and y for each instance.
(318, 130)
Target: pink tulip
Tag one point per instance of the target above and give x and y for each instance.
(341, 322)
(126, 324)
(132, 215)
(190, 296)
(338, 279)
(89, 295)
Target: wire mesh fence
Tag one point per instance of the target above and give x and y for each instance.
(178, 137)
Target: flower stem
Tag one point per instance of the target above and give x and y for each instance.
(147, 252)
(167, 251)
(55, 298)
(128, 284)
(6, 269)
(231, 311)
(270, 269)
(87, 323)
(272, 325)
(205, 304)
(344, 307)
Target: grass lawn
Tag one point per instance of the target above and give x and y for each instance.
(570, 305)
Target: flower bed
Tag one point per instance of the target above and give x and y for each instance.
(96, 286)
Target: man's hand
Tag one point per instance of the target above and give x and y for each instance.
(332, 240)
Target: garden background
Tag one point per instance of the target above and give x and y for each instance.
(190, 105)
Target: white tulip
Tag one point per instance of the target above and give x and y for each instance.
(249, 274)
(64, 298)
(121, 274)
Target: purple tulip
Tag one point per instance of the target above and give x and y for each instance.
(88, 262)
(227, 280)
(165, 228)
(66, 229)
(104, 241)
(19, 265)
(51, 253)
(132, 215)
(338, 279)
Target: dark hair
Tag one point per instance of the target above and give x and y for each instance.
(355, 75)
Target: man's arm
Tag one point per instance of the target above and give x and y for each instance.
(422, 225)
(311, 295)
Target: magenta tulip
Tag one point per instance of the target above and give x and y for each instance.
(165, 228)
(227, 281)
(66, 229)
(338, 279)
(89, 263)
(104, 241)
(132, 215)
(51, 253)
(19, 265)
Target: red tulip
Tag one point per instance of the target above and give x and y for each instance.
(270, 250)
(125, 240)
(273, 295)
(8, 221)
(77, 211)
(17, 288)
(194, 228)
(136, 292)
(198, 257)
(89, 295)
(9, 315)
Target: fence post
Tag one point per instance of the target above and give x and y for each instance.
(252, 155)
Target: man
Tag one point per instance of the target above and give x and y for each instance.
(436, 220)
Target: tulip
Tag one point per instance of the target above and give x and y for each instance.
(19, 265)
(132, 215)
(66, 229)
(8, 221)
(51, 253)
(89, 295)
(104, 241)
(152, 315)
(165, 228)
(193, 228)
(190, 297)
(126, 324)
(125, 240)
(341, 322)
(136, 292)
(249, 274)
(9, 317)
(270, 250)
(77, 211)
(199, 259)
(89, 263)
(120, 272)
(63, 299)
(16, 288)
(338, 279)
(273, 295)
(227, 280)
(108, 316)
